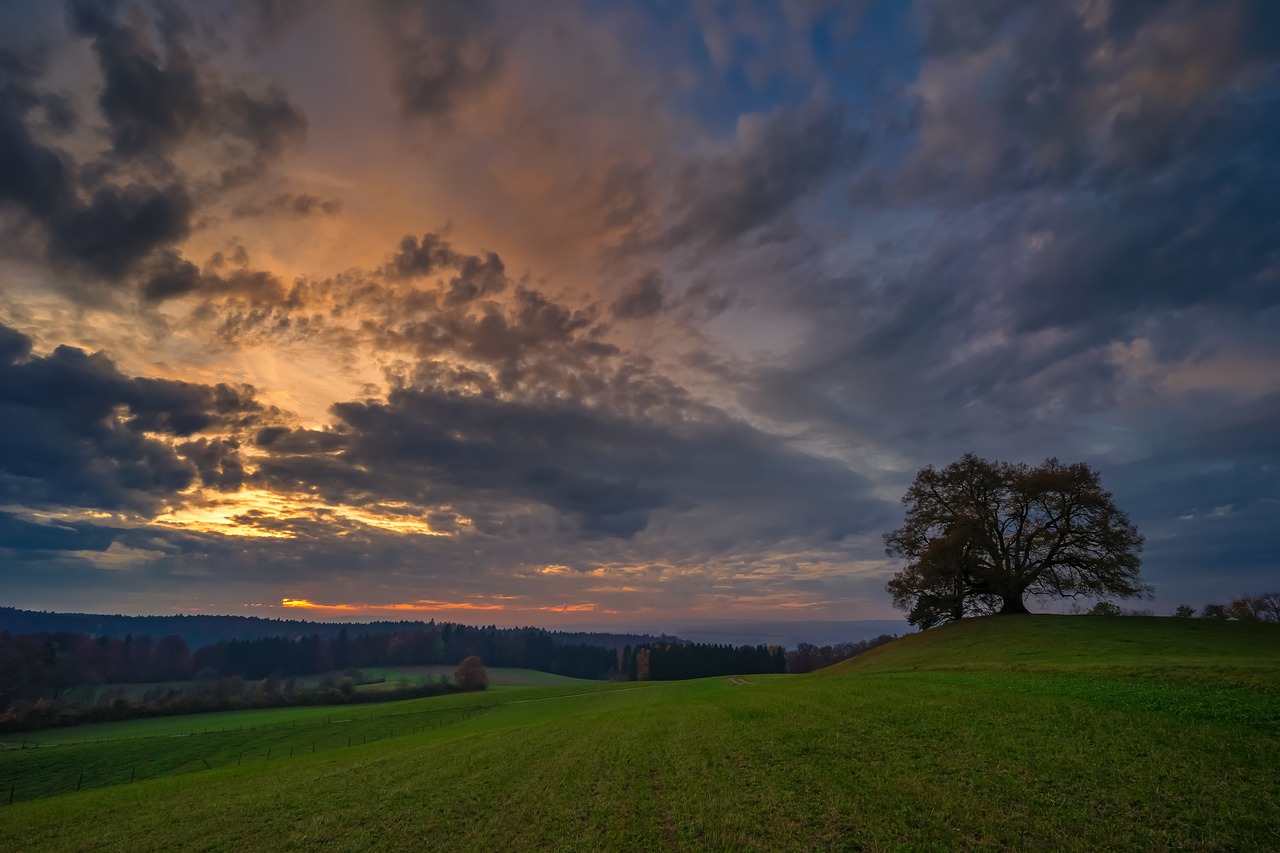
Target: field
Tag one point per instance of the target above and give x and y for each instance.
(392, 677)
(1018, 732)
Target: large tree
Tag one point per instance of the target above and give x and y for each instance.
(980, 536)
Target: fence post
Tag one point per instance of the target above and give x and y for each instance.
(132, 772)
(268, 753)
(12, 788)
(80, 781)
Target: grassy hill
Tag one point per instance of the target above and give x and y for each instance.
(1019, 733)
(1144, 646)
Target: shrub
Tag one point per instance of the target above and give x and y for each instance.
(471, 674)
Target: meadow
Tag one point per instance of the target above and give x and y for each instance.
(1015, 732)
(376, 678)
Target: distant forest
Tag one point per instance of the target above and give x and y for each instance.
(39, 670)
(202, 630)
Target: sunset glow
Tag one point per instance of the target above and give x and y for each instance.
(579, 313)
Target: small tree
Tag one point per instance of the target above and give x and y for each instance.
(1256, 608)
(1184, 611)
(980, 536)
(471, 674)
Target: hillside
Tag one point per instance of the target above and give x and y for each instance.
(1025, 733)
(1141, 646)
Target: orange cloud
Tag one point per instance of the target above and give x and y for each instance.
(371, 609)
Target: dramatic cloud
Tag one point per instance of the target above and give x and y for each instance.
(76, 432)
(105, 216)
(645, 298)
(440, 51)
(622, 310)
(777, 160)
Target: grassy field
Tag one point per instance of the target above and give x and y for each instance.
(393, 676)
(498, 676)
(1018, 733)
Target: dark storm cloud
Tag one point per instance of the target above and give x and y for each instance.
(169, 275)
(1139, 253)
(645, 298)
(269, 122)
(1070, 101)
(440, 51)
(75, 431)
(475, 276)
(604, 475)
(1081, 236)
(780, 158)
(110, 232)
(1006, 309)
(19, 536)
(37, 178)
(119, 227)
(151, 102)
(120, 215)
(1148, 179)
(217, 461)
(292, 205)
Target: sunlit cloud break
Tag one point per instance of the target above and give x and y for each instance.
(655, 312)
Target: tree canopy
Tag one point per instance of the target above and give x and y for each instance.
(980, 536)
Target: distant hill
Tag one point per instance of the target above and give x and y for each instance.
(201, 630)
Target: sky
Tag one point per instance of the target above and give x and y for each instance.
(587, 312)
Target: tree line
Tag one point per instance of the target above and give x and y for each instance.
(202, 630)
(47, 667)
(675, 661)
(1264, 607)
(807, 657)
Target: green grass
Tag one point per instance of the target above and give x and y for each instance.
(393, 675)
(499, 676)
(1023, 733)
(1129, 646)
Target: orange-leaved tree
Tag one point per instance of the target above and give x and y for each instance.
(471, 674)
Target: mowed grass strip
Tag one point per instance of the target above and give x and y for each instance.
(997, 758)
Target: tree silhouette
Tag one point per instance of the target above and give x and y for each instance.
(980, 536)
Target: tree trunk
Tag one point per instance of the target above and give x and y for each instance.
(1014, 604)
